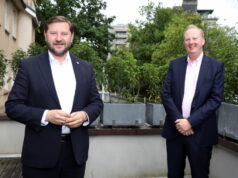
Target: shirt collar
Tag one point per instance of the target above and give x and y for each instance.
(53, 60)
(197, 61)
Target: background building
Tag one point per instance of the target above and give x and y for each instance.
(121, 35)
(17, 30)
(17, 25)
(191, 5)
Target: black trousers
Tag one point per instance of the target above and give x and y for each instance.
(65, 168)
(199, 157)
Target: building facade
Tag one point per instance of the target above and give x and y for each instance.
(190, 5)
(17, 25)
(17, 30)
(121, 33)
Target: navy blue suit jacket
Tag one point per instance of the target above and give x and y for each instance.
(33, 92)
(207, 98)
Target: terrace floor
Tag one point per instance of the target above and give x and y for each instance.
(10, 168)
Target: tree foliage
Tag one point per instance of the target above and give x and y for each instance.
(20, 54)
(159, 39)
(2, 68)
(17, 56)
(146, 35)
(88, 21)
(122, 74)
(84, 51)
(222, 44)
(151, 81)
(35, 48)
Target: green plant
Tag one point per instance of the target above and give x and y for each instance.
(35, 48)
(222, 44)
(151, 81)
(16, 57)
(19, 54)
(2, 68)
(84, 51)
(122, 75)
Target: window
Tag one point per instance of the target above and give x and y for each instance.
(14, 23)
(30, 3)
(121, 33)
(7, 16)
(121, 39)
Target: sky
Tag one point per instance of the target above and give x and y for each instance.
(127, 11)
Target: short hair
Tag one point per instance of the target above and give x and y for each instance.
(191, 26)
(56, 19)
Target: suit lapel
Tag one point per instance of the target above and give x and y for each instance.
(202, 73)
(78, 71)
(44, 65)
(182, 75)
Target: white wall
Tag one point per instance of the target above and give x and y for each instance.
(11, 137)
(224, 163)
(124, 156)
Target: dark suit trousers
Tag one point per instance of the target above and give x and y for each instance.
(65, 168)
(185, 146)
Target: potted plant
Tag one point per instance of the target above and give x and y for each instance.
(122, 80)
(151, 80)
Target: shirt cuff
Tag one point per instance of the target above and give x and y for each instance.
(86, 123)
(43, 122)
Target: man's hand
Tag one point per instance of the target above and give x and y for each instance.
(76, 119)
(189, 132)
(184, 127)
(57, 117)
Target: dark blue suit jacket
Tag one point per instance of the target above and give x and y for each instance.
(207, 99)
(33, 92)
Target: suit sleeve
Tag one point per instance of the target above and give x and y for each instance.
(172, 110)
(17, 107)
(213, 100)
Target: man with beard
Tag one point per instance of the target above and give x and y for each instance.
(55, 96)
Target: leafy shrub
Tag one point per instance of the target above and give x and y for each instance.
(2, 68)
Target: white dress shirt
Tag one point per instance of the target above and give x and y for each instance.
(65, 85)
(191, 78)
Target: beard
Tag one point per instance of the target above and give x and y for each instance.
(58, 53)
